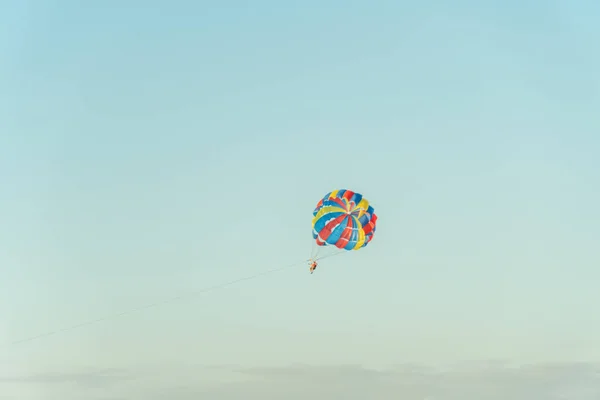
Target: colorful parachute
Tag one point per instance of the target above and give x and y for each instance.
(343, 219)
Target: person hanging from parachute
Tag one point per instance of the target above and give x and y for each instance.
(342, 219)
(313, 266)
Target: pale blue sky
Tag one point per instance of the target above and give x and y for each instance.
(157, 148)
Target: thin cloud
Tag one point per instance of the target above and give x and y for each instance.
(87, 378)
(492, 381)
(473, 381)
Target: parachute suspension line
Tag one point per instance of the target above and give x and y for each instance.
(340, 251)
(330, 251)
(314, 250)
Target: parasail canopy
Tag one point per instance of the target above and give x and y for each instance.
(344, 219)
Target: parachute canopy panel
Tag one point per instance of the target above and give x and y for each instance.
(343, 219)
